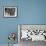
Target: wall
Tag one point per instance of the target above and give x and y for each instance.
(7, 25)
(29, 12)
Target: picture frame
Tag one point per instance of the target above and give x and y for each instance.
(10, 11)
(34, 30)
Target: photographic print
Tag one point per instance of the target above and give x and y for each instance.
(32, 32)
(10, 11)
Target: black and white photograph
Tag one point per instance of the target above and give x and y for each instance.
(10, 11)
(29, 35)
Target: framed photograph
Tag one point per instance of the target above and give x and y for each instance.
(31, 32)
(10, 11)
